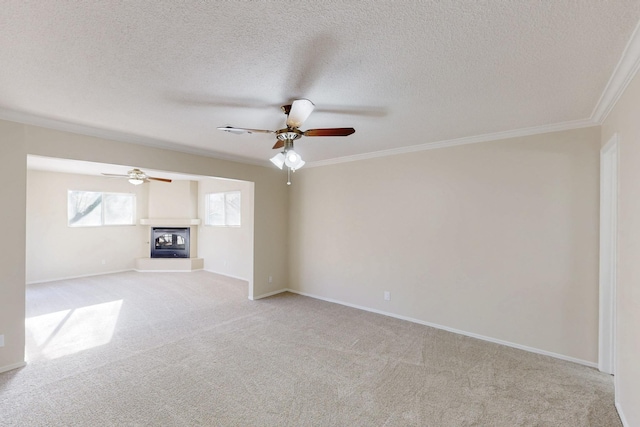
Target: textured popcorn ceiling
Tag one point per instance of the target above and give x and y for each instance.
(402, 73)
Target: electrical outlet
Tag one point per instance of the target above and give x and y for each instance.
(104, 261)
(270, 279)
(1, 340)
(387, 295)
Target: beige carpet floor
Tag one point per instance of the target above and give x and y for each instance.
(153, 349)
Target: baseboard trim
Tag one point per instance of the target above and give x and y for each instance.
(12, 367)
(225, 275)
(269, 294)
(455, 331)
(35, 282)
(621, 415)
(166, 271)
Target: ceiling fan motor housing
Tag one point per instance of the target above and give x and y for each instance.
(137, 174)
(288, 134)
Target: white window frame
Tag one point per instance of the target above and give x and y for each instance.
(208, 218)
(102, 209)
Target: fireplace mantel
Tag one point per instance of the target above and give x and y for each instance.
(170, 222)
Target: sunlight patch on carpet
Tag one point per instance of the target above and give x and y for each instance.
(67, 332)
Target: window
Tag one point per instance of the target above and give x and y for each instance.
(223, 209)
(92, 209)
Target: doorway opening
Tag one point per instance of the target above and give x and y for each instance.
(82, 253)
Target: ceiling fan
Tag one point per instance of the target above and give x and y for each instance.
(137, 177)
(296, 113)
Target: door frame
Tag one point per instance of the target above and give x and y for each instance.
(608, 254)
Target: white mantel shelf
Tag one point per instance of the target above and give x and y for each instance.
(176, 222)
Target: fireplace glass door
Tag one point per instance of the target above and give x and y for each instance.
(170, 243)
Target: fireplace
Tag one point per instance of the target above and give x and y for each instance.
(169, 242)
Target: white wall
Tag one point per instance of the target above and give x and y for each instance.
(81, 251)
(57, 251)
(176, 199)
(498, 239)
(625, 121)
(227, 250)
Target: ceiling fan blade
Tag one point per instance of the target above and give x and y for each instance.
(158, 179)
(231, 129)
(300, 110)
(116, 175)
(279, 144)
(329, 132)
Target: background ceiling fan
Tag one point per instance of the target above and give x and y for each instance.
(296, 113)
(137, 177)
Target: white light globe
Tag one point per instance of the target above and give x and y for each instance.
(293, 160)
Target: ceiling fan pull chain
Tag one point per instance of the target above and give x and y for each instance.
(288, 176)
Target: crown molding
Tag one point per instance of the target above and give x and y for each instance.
(63, 126)
(575, 124)
(624, 72)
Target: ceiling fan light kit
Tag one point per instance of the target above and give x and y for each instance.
(288, 158)
(296, 113)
